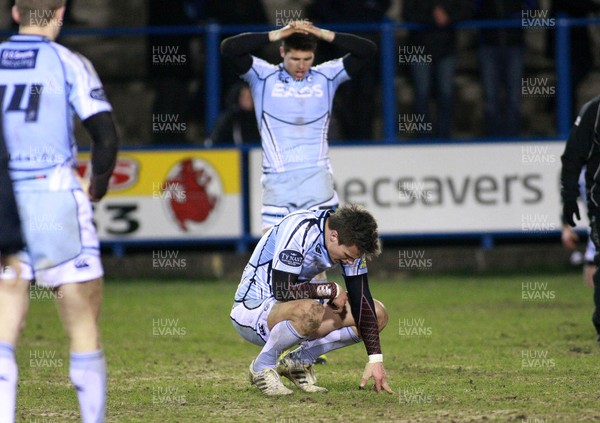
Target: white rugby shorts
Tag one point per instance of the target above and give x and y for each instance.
(61, 242)
(303, 189)
(251, 324)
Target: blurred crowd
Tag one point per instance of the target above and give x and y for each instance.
(455, 83)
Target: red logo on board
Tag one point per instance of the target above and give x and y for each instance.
(124, 175)
(199, 192)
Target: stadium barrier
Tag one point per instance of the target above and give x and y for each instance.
(458, 190)
(415, 189)
(212, 34)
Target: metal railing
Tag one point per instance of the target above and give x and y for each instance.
(388, 49)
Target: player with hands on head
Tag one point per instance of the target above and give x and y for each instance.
(583, 149)
(42, 86)
(279, 305)
(293, 104)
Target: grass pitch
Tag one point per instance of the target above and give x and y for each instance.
(474, 348)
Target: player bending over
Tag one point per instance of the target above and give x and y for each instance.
(276, 306)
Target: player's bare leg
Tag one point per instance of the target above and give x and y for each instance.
(305, 317)
(337, 330)
(14, 303)
(333, 320)
(289, 323)
(322, 359)
(79, 307)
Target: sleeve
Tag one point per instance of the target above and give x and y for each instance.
(286, 288)
(360, 51)
(577, 150)
(86, 95)
(105, 145)
(11, 239)
(363, 311)
(237, 49)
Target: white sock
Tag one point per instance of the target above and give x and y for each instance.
(310, 350)
(283, 336)
(8, 383)
(88, 374)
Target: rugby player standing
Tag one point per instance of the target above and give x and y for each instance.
(42, 86)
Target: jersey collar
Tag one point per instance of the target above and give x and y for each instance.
(28, 38)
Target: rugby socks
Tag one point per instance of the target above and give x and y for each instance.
(8, 383)
(309, 351)
(88, 374)
(283, 336)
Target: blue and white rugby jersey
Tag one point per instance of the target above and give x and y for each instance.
(42, 86)
(293, 116)
(295, 245)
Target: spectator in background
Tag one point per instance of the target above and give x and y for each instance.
(500, 54)
(581, 149)
(355, 105)
(235, 12)
(69, 19)
(570, 239)
(437, 43)
(169, 70)
(237, 125)
(582, 59)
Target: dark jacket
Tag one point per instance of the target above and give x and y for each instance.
(583, 149)
(11, 239)
(501, 9)
(437, 41)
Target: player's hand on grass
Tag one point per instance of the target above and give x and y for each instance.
(377, 372)
(569, 237)
(571, 210)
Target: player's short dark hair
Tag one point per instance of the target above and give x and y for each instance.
(356, 226)
(297, 41)
(37, 12)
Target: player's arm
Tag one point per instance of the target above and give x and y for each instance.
(105, 145)
(360, 50)
(575, 155)
(362, 307)
(363, 311)
(287, 288)
(237, 49)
